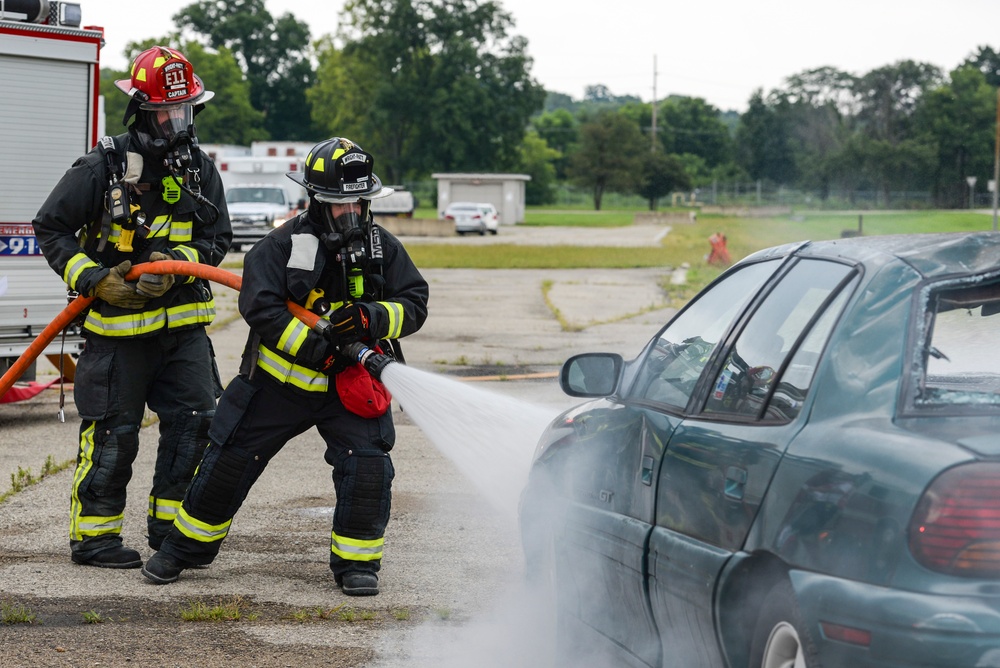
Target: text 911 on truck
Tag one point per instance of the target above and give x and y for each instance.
(50, 76)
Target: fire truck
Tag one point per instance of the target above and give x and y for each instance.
(52, 114)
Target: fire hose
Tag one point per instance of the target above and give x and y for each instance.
(78, 305)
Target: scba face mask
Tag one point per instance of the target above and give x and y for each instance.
(345, 221)
(169, 133)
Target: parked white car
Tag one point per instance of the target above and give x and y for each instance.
(475, 217)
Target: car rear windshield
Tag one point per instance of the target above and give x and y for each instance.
(959, 339)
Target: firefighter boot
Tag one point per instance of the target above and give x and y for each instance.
(163, 569)
(359, 584)
(118, 556)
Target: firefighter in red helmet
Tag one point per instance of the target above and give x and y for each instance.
(146, 195)
(336, 261)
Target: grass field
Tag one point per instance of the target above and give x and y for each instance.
(687, 243)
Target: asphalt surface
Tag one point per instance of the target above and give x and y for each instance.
(452, 570)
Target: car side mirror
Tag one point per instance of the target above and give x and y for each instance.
(591, 374)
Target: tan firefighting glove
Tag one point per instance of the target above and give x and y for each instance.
(155, 285)
(114, 290)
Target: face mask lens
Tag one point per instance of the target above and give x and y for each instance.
(346, 217)
(169, 122)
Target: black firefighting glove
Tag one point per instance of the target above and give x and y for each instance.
(355, 322)
(155, 285)
(114, 290)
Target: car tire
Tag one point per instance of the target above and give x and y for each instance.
(780, 639)
(482, 231)
(493, 232)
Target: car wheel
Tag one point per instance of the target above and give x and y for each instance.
(493, 231)
(482, 231)
(780, 639)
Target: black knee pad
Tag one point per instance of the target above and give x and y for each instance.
(364, 494)
(113, 453)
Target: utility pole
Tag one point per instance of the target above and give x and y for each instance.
(653, 147)
(996, 164)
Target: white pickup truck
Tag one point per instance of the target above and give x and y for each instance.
(257, 208)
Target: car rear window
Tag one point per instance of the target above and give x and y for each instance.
(957, 360)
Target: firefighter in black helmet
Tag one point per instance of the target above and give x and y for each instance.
(334, 260)
(146, 195)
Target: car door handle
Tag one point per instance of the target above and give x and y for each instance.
(736, 480)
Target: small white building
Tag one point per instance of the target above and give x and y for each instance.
(504, 191)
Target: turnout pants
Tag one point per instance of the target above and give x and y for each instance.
(174, 374)
(255, 418)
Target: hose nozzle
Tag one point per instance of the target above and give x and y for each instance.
(371, 360)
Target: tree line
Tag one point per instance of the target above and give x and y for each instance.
(446, 86)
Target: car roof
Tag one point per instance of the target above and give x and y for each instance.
(929, 255)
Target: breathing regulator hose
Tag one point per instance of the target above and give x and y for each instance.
(78, 305)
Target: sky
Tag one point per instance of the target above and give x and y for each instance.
(719, 50)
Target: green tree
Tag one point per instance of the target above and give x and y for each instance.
(609, 156)
(429, 85)
(987, 61)
(274, 53)
(818, 105)
(659, 175)
(560, 130)
(763, 142)
(537, 161)
(691, 125)
(888, 98)
(959, 120)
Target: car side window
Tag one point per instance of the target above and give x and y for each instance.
(799, 301)
(679, 354)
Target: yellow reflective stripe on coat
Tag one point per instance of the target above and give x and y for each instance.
(163, 509)
(395, 310)
(291, 373)
(180, 230)
(85, 463)
(145, 322)
(293, 337)
(191, 255)
(130, 324)
(75, 267)
(98, 526)
(191, 314)
(355, 549)
(198, 530)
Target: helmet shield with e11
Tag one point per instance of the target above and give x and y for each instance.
(166, 94)
(162, 77)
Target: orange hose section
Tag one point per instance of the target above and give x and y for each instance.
(69, 314)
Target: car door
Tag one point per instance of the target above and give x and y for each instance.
(720, 459)
(614, 479)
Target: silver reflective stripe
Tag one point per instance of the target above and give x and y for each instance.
(200, 531)
(292, 374)
(89, 526)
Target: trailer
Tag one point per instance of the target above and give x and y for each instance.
(52, 114)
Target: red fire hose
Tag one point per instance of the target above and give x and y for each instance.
(77, 306)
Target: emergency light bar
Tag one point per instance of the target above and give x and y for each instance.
(48, 12)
